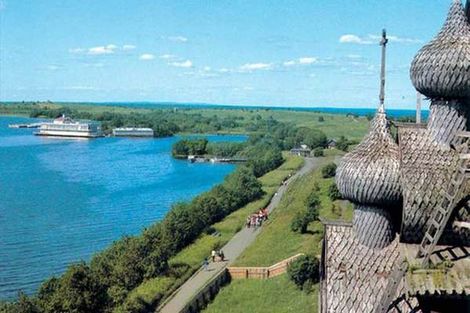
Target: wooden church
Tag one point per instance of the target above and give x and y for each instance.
(408, 246)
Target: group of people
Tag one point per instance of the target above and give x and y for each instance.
(284, 181)
(216, 256)
(255, 220)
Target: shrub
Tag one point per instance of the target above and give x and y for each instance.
(329, 170)
(24, 304)
(187, 147)
(342, 144)
(313, 206)
(299, 223)
(304, 271)
(318, 152)
(321, 119)
(333, 192)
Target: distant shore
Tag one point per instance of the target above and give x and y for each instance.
(360, 111)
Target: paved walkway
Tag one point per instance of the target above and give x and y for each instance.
(232, 250)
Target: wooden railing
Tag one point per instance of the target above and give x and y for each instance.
(261, 272)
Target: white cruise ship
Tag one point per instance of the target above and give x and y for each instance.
(133, 132)
(66, 127)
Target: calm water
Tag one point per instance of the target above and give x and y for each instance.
(63, 200)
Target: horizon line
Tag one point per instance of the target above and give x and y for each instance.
(251, 106)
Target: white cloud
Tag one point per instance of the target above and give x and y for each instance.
(207, 68)
(128, 47)
(354, 39)
(185, 64)
(147, 56)
(301, 61)
(167, 56)
(256, 66)
(375, 39)
(396, 39)
(178, 39)
(100, 50)
(109, 49)
(289, 63)
(308, 60)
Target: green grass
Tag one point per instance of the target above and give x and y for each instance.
(334, 125)
(277, 242)
(189, 259)
(274, 178)
(275, 295)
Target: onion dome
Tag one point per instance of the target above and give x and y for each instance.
(370, 173)
(373, 226)
(441, 69)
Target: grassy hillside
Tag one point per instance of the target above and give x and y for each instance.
(275, 295)
(276, 242)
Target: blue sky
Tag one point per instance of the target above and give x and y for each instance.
(251, 52)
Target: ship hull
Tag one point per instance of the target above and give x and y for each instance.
(70, 134)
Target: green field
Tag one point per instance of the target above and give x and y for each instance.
(189, 259)
(275, 295)
(333, 125)
(277, 242)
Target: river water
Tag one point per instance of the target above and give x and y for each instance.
(62, 200)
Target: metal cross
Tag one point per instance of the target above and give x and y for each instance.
(383, 43)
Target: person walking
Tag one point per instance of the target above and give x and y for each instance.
(221, 255)
(205, 264)
(213, 254)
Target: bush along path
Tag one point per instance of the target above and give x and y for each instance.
(231, 251)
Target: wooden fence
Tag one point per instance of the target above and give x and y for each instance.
(261, 272)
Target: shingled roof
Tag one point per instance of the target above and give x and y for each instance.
(354, 275)
(370, 173)
(450, 276)
(441, 68)
(425, 171)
